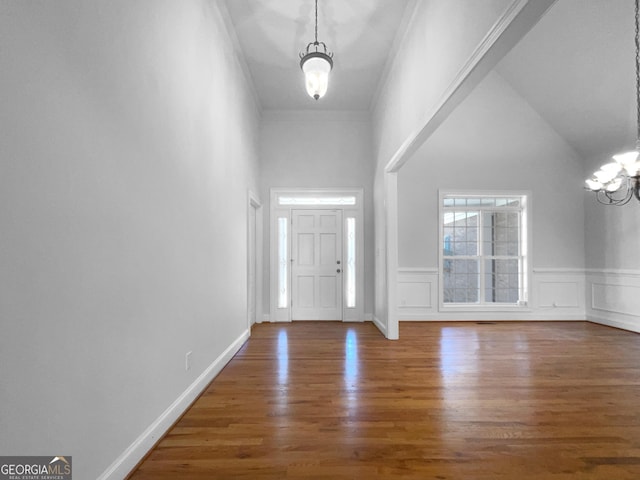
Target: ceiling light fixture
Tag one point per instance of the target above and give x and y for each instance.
(316, 66)
(617, 182)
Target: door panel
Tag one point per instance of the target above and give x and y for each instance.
(306, 248)
(328, 249)
(316, 265)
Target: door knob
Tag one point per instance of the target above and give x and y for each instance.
(338, 262)
(338, 270)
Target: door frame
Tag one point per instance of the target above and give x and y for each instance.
(254, 247)
(282, 313)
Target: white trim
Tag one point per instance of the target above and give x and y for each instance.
(391, 193)
(410, 270)
(613, 298)
(368, 317)
(239, 53)
(525, 247)
(266, 318)
(613, 271)
(314, 116)
(127, 461)
(509, 29)
(253, 202)
(381, 326)
(557, 296)
(558, 271)
(405, 26)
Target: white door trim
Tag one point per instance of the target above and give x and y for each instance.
(253, 204)
(277, 211)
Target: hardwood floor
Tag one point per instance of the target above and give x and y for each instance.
(447, 401)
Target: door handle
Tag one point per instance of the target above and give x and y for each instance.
(338, 270)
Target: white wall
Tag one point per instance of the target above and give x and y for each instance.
(439, 39)
(612, 258)
(322, 150)
(496, 141)
(128, 140)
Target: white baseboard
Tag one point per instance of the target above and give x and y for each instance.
(368, 317)
(127, 461)
(266, 318)
(382, 327)
(630, 325)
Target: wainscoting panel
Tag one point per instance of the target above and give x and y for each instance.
(555, 294)
(559, 293)
(614, 298)
(417, 293)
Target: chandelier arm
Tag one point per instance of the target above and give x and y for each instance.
(612, 198)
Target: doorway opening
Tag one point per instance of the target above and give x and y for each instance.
(317, 252)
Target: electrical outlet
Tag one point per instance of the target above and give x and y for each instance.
(187, 361)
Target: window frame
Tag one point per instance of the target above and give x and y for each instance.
(524, 249)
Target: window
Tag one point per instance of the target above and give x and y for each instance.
(319, 201)
(484, 257)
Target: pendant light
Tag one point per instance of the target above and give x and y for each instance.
(316, 65)
(617, 182)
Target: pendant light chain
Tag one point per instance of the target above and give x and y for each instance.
(637, 74)
(636, 32)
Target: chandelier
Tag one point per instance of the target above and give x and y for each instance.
(617, 182)
(316, 65)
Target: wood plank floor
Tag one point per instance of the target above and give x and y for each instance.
(313, 400)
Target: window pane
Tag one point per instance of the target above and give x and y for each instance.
(460, 234)
(292, 201)
(461, 281)
(502, 281)
(283, 265)
(351, 262)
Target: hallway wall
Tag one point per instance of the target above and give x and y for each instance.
(128, 140)
(322, 150)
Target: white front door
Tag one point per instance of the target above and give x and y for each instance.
(316, 265)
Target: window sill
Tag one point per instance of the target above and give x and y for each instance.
(524, 307)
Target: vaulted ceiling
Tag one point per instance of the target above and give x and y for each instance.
(575, 68)
(272, 33)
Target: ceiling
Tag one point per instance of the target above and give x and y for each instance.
(575, 68)
(272, 33)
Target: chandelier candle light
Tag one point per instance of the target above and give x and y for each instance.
(316, 65)
(617, 182)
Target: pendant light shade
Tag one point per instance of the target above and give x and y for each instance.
(316, 65)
